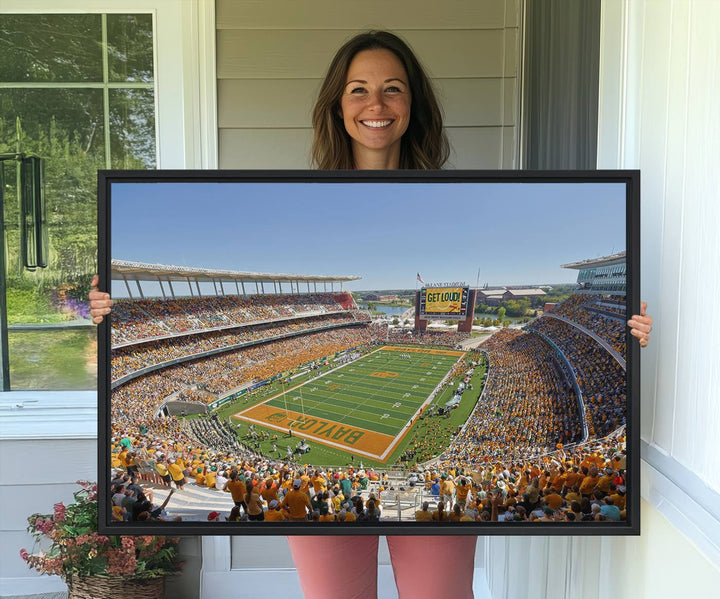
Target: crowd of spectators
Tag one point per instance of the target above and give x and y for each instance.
(601, 379)
(510, 462)
(378, 331)
(217, 374)
(526, 407)
(261, 489)
(135, 319)
(605, 318)
(131, 358)
(196, 395)
(585, 484)
(142, 457)
(405, 336)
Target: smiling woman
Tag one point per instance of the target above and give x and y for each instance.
(375, 108)
(363, 109)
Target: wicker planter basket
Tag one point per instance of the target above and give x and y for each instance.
(111, 587)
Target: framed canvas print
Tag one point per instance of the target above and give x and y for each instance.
(308, 352)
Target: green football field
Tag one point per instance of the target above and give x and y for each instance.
(364, 394)
(363, 405)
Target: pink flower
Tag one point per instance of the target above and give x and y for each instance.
(43, 526)
(128, 542)
(121, 562)
(53, 565)
(76, 555)
(59, 512)
(147, 539)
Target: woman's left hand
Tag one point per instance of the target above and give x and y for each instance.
(641, 325)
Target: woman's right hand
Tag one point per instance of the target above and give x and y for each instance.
(641, 325)
(100, 302)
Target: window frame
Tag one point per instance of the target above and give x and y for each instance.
(185, 130)
(185, 30)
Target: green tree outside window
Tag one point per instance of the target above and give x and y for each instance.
(81, 88)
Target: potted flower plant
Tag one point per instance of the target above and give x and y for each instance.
(67, 544)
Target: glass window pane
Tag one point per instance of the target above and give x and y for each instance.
(50, 48)
(132, 128)
(130, 47)
(48, 117)
(54, 359)
(51, 339)
(65, 128)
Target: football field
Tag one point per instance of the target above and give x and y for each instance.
(364, 407)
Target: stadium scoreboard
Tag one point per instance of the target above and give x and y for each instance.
(449, 301)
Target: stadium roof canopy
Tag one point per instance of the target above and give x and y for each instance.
(597, 262)
(123, 270)
(527, 291)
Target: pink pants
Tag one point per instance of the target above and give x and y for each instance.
(347, 566)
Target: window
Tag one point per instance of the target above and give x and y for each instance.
(77, 90)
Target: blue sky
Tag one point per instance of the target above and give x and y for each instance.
(515, 233)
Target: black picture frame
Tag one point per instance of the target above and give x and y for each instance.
(629, 178)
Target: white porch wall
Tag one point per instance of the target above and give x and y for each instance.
(45, 447)
(272, 56)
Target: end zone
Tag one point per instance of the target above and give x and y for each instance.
(341, 436)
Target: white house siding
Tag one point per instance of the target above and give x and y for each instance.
(271, 57)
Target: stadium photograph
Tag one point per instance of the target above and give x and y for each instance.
(333, 354)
